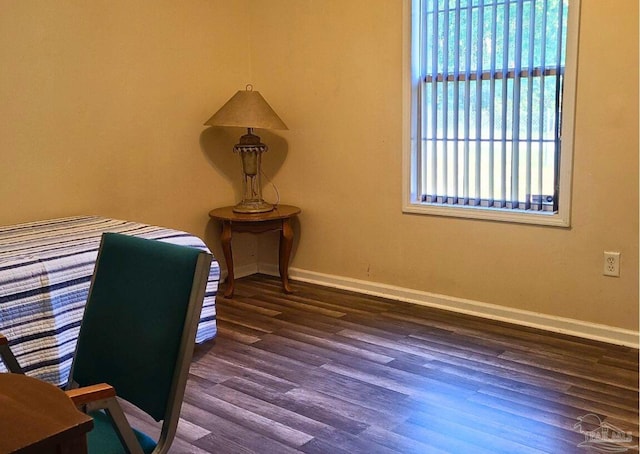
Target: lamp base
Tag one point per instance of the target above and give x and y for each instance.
(253, 206)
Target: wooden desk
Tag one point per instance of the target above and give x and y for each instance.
(277, 220)
(37, 417)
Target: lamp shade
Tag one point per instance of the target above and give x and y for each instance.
(247, 109)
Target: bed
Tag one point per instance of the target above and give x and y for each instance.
(45, 272)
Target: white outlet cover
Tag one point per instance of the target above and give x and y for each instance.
(611, 264)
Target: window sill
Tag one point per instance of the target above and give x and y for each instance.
(489, 214)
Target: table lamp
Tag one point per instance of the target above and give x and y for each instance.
(248, 109)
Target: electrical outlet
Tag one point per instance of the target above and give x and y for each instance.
(611, 264)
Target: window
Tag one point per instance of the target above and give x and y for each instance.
(491, 100)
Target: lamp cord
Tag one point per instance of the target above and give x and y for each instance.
(275, 188)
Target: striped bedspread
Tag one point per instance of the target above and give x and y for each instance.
(45, 272)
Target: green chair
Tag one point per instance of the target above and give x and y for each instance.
(136, 339)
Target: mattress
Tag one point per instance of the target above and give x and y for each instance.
(45, 273)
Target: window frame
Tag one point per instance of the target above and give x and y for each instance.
(411, 81)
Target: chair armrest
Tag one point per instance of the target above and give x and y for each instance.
(88, 394)
(88, 398)
(103, 396)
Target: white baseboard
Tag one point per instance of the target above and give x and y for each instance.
(241, 271)
(546, 322)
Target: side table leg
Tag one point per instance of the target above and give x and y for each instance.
(286, 243)
(225, 239)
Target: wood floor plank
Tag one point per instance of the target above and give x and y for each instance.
(330, 371)
(308, 409)
(304, 306)
(273, 411)
(335, 439)
(610, 375)
(247, 419)
(568, 407)
(442, 440)
(237, 332)
(404, 382)
(383, 417)
(333, 348)
(291, 349)
(516, 428)
(502, 333)
(626, 399)
(398, 442)
(459, 361)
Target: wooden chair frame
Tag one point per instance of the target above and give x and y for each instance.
(7, 357)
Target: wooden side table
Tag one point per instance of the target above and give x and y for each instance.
(277, 220)
(37, 417)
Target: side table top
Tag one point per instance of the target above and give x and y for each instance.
(279, 212)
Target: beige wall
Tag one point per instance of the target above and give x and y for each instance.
(102, 105)
(332, 69)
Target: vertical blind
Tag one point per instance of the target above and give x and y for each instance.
(490, 102)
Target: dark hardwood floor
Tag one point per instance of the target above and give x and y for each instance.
(329, 371)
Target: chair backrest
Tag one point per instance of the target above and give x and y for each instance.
(138, 329)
